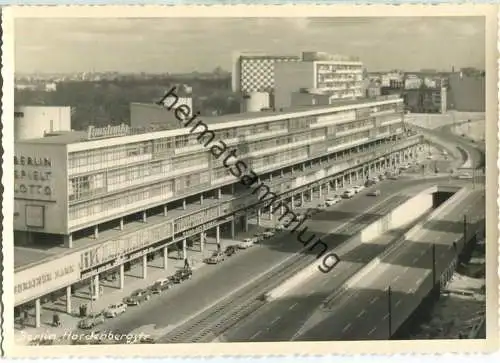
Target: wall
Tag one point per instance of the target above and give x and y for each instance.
(40, 191)
(32, 122)
(467, 93)
(290, 77)
(146, 115)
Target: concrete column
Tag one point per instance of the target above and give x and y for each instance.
(245, 223)
(165, 258)
(336, 184)
(68, 241)
(122, 276)
(145, 266)
(96, 232)
(201, 198)
(281, 173)
(232, 189)
(68, 299)
(184, 248)
(38, 311)
(270, 177)
(270, 212)
(328, 187)
(319, 190)
(96, 286)
(350, 179)
(292, 202)
(311, 194)
(165, 210)
(184, 204)
(303, 166)
(217, 235)
(258, 216)
(202, 241)
(302, 198)
(144, 217)
(219, 193)
(121, 224)
(232, 229)
(282, 209)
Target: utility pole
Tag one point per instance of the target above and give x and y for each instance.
(389, 300)
(465, 229)
(433, 265)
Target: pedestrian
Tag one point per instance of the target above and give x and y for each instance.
(186, 263)
(101, 290)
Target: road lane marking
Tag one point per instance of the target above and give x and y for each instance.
(256, 335)
(395, 279)
(361, 313)
(411, 290)
(346, 327)
(275, 320)
(294, 305)
(386, 316)
(371, 331)
(406, 269)
(419, 281)
(373, 300)
(415, 260)
(398, 302)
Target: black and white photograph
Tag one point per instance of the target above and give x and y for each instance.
(250, 179)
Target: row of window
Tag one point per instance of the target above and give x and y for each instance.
(354, 125)
(108, 204)
(280, 157)
(187, 182)
(134, 173)
(107, 155)
(284, 140)
(86, 186)
(189, 161)
(350, 138)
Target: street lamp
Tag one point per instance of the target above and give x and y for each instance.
(389, 300)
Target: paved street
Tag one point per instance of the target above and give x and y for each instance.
(215, 282)
(281, 319)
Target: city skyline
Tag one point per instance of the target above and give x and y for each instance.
(63, 45)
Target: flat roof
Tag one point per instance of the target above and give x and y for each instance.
(80, 137)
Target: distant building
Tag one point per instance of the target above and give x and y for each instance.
(33, 122)
(51, 87)
(254, 72)
(339, 76)
(373, 90)
(412, 82)
(467, 91)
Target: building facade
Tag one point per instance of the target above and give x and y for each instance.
(340, 76)
(32, 122)
(89, 192)
(254, 72)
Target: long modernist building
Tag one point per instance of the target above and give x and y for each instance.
(108, 197)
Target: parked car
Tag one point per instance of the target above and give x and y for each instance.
(91, 321)
(358, 188)
(393, 177)
(182, 274)
(348, 194)
(280, 227)
(370, 182)
(332, 201)
(381, 177)
(246, 243)
(464, 176)
(161, 285)
(230, 250)
(404, 166)
(268, 233)
(216, 258)
(374, 193)
(115, 310)
(138, 297)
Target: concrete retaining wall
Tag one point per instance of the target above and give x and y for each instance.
(400, 217)
(417, 230)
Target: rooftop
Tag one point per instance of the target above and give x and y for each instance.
(81, 136)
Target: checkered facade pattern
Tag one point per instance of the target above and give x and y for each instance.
(257, 73)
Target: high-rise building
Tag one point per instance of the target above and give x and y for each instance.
(339, 76)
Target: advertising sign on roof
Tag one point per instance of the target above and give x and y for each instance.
(108, 131)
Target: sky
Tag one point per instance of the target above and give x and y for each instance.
(201, 44)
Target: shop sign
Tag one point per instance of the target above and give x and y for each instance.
(119, 247)
(45, 278)
(108, 131)
(33, 177)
